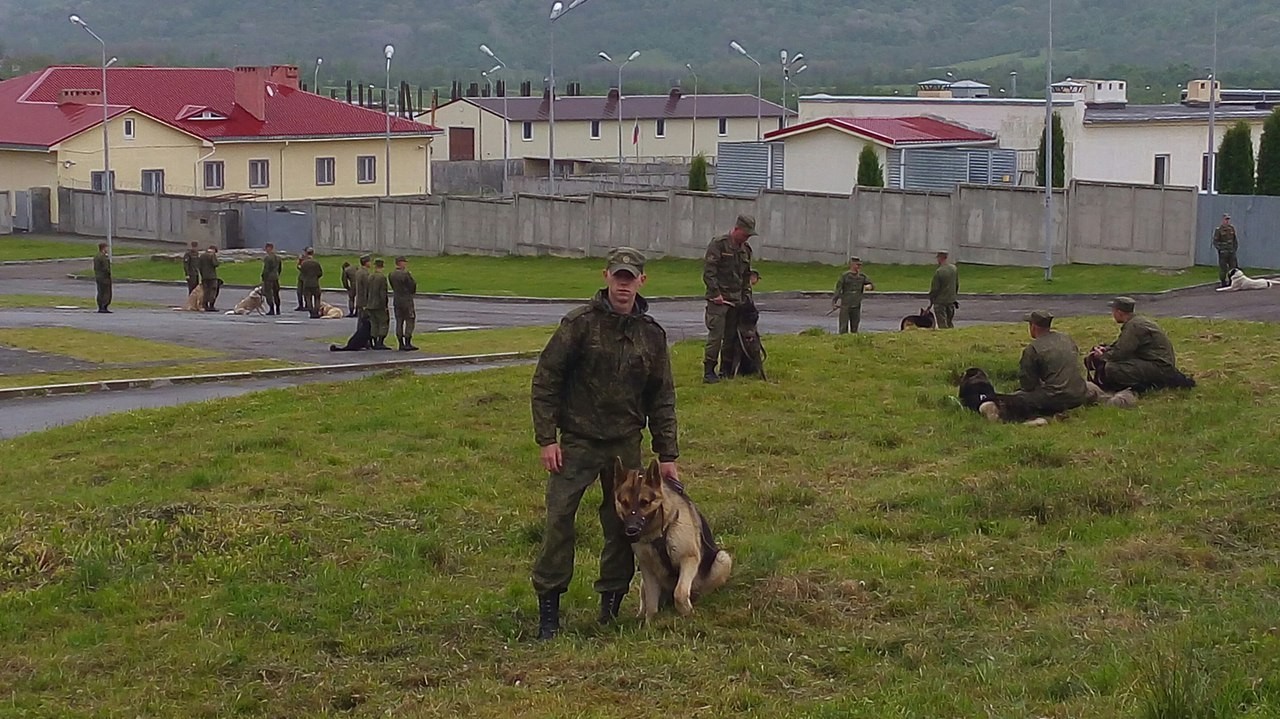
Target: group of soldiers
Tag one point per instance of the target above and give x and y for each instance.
(201, 270)
(368, 290)
(853, 284)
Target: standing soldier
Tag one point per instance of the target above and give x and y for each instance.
(403, 288)
(309, 274)
(349, 284)
(271, 267)
(724, 272)
(102, 278)
(302, 302)
(1224, 241)
(603, 377)
(943, 291)
(209, 276)
(848, 296)
(375, 306)
(191, 267)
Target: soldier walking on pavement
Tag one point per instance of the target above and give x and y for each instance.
(209, 277)
(271, 266)
(102, 278)
(375, 306)
(848, 296)
(349, 284)
(403, 288)
(725, 270)
(604, 375)
(309, 274)
(1224, 241)
(943, 291)
(191, 267)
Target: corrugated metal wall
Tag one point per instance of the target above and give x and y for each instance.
(747, 168)
(944, 168)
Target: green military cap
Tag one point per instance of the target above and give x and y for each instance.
(365, 258)
(626, 258)
(748, 223)
(1039, 317)
(1124, 304)
(402, 258)
(378, 262)
(944, 253)
(855, 259)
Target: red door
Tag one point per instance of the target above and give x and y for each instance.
(462, 143)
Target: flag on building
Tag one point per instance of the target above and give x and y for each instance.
(635, 133)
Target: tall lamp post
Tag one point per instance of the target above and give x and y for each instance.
(1048, 155)
(558, 10)
(315, 79)
(787, 65)
(796, 90)
(1013, 84)
(506, 119)
(107, 180)
(693, 133)
(388, 51)
(1212, 185)
(759, 76)
(605, 56)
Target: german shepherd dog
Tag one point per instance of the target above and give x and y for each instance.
(675, 550)
(924, 320)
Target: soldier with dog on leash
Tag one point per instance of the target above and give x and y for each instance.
(943, 292)
(725, 269)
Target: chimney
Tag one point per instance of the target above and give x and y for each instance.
(251, 90)
(473, 90)
(284, 76)
(526, 88)
(675, 93)
(613, 93)
(501, 88)
(79, 97)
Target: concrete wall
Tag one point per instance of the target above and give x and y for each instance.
(1118, 224)
(478, 227)
(547, 225)
(137, 216)
(900, 226)
(1005, 226)
(1255, 218)
(6, 214)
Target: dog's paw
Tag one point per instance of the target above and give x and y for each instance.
(1037, 422)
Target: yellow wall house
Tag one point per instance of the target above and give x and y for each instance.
(248, 132)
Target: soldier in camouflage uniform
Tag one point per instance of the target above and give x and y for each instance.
(604, 375)
(725, 270)
(848, 296)
(191, 266)
(1224, 241)
(1142, 357)
(375, 306)
(943, 291)
(1049, 375)
(403, 288)
(349, 284)
(208, 264)
(271, 266)
(309, 273)
(102, 277)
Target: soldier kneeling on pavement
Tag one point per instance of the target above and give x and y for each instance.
(1140, 360)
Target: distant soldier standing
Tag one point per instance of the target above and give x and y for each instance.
(191, 266)
(375, 306)
(943, 291)
(209, 277)
(358, 279)
(1224, 241)
(271, 266)
(725, 270)
(302, 301)
(102, 278)
(309, 274)
(349, 284)
(403, 288)
(848, 296)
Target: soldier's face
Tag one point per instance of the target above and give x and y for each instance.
(623, 287)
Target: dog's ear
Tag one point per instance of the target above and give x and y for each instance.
(652, 476)
(619, 472)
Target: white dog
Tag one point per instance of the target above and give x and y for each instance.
(1241, 281)
(253, 302)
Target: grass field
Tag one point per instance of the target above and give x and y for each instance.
(282, 555)
(11, 302)
(103, 347)
(174, 370)
(564, 277)
(51, 247)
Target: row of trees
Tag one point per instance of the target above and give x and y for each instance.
(1238, 174)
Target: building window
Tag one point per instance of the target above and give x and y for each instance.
(213, 175)
(129, 129)
(724, 126)
(595, 130)
(96, 179)
(526, 131)
(1204, 170)
(153, 181)
(259, 173)
(1162, 170)
(660, 130)
(366, 169)
(324, 171)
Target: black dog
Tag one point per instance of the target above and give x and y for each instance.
(924, 320)
(976, 388)
(358, 341)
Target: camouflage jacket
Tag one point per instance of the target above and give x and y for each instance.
(102, 267)
(1051, 364)
(271, 266)
(606, 376)
(349, 277)
(191, 263)
(849, 289)
(309, 273)
(1224, 239)
(725, 268)
(208, 264)
(374, 289)
(360, 278)
(946, 285)
(1142, 339)
(403, 286)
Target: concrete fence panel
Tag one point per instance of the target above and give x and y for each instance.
(1255, 217)
(1132, 224)
(699, 217)
(547, 225)
(479, 227)
(898, 226)
(802, 227)
(1005, 226)
(345, 227)
(6, 213)
(639, 221)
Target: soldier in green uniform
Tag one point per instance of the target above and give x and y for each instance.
(102, 278)
(375, 306)
(271, 266)
(1224, 241)
(1142, 357)
(848, 296)
(208, 265)
(349, 284)
(191, 266)
(943, 291)
(309, 274)
(358, 280)
(302, 300)
(603, 377)
(1049, 375)
(403, 287)
(725, 269)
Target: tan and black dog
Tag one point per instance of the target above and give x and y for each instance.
(675, 550)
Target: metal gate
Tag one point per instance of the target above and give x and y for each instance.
(22, 210)
(289, 227)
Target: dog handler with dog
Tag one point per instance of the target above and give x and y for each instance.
(603, 377)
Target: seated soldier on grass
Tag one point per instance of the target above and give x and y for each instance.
(1141, 359)
(1049, 376)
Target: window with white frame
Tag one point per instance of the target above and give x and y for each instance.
(324, 171)
(129, 129)
(213, 174)
(259, 173)
(153, 181)
(595, 129)
(724, 126)
(366, 169)
(96, 180)
(526, 131)
(1161, 170)
(660, 127)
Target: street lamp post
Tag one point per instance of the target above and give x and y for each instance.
(796, 90)
(787, 64)
(1048, 155)
(759, 79)
(605, 56)
(693, 133)
(1212, 161)
(1013, 84)
(315, 79)
(388, 51)
(506, 119)
(558, 10)
(107, 180)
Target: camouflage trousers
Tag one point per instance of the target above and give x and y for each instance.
(584, 461)
(1226, 263)
(945, 314)
(104, 293)
(311, 300)
(850, 317)
(379, 322)
(271, 291)
(406, 318)
(722, 327)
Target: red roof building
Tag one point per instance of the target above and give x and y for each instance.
(892, 131)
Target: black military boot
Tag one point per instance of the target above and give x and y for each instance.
(408, 344)
(548, 616)
(400, 342)
(709, 373)
(382, 344)
(610, 603)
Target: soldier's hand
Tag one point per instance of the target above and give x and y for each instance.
(668, 470)
(552, 458)
(718, 299)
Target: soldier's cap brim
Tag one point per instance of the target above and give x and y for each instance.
(632, 269)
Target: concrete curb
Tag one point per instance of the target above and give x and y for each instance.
(142, 383)
(10, 263)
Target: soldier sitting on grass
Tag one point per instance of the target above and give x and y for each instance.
(1049, 376)
(1140, 360)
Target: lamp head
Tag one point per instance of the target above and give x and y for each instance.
(633, 56)
(799, 56)
(75, 20)
(688, 67)
(319, 61)
(485, 49)
(801, 69)
(734, 44)
(557, 10)
(494, 69)
(604, 56)
(783, 56)
(388, 51)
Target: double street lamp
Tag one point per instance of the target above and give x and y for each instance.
(693, 134)
(107, 179)
(759, 78)
(605, 56)
(388, 51)
(558, 10)
(506, 119)
(788, 65)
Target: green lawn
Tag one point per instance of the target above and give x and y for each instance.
(9, 302)
(564, 277)
(895, 556)
(103, 347)
(52, 247)
(174, 370)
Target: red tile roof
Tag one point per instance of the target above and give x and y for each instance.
(892, 131)
(31, 117)
(644, 107)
